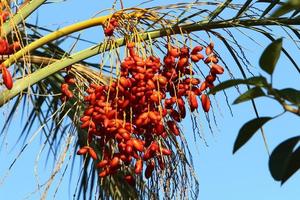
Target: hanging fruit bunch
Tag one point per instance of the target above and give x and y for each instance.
(111, 25)
(131, 119)
(6, 48)
(65, 88)
(69, 81)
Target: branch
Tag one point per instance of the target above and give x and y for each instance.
(291, 109)
(35, 77)
(203, 25)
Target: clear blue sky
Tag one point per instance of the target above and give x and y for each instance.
(221, 174)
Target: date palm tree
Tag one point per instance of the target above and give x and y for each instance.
(38, 69)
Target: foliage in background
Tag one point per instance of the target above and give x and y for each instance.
(284, 160)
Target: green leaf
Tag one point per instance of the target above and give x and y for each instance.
(290, 94)
(248, 130)
(259, 81)
(287, 7)
(227, 84)
(292, 166)
(256, 80)
(280, 157)
(282, 10)
(270, 56)
(250, 94)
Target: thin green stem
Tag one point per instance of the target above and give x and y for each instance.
(33, 78)
(219, 9)
(20, 16)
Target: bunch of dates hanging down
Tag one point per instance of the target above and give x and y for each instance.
(6, 48)
(131, 118)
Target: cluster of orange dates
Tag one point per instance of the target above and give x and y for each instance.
(66, 92)
(110, 26)
(6, 49)
(142, 107)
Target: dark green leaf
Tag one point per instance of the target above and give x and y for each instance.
(292, 166)
(248, 130)
(282, 10)
(290, 94)
(289, 6)
(257, 81)
(227, 84)
(270, 56)
(287, 54)
(280, 156)
(250, 94)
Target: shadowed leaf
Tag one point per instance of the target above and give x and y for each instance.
(286, 8)
(281, 156)
(248, 130)
(287, 54)
(250, 94)
(292, 167)
(290, 94)
(270, 56)
(257, 81)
